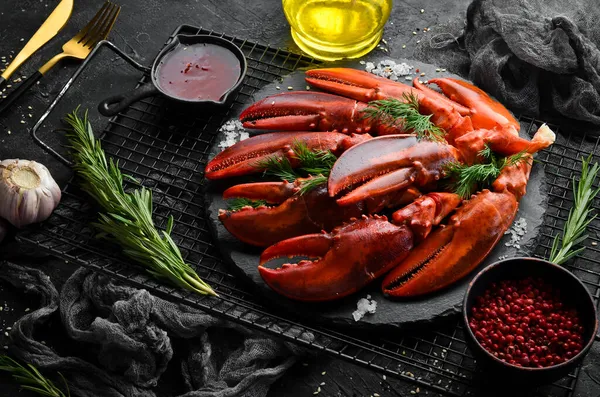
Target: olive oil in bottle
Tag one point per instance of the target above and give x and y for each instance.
(336, 29)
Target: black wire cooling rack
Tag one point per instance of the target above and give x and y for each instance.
(167, 151)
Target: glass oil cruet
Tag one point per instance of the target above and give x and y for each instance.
(334, 29)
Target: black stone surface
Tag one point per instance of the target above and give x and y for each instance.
(407, 313)
(141, 31)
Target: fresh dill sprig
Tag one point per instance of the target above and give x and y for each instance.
(127, 217)
(279, 167)
(316, 163)
(468, 178)
(580, 216)
(312, 183)
(31, 379)
(406, 114)
(236, 204)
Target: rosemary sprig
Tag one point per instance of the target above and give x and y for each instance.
(127, 217)
(564, 246)
(468, 178)
(236, 204)
(406, 114)
(317, 163)
(31, 379)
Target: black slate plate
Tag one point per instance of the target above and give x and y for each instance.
(407, 313)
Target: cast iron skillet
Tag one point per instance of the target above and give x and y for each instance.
(115, 104)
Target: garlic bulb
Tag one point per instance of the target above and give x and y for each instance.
(3, 229)
(28, 194)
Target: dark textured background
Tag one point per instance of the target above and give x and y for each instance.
(141, 30)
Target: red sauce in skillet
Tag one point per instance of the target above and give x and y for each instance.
(202, 71)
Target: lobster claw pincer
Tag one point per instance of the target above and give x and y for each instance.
(386, 164)
(312, 111)
(367, 87)
(451, 252)
(345, 260)
(485, 112)
(245, 156)
(287, 214)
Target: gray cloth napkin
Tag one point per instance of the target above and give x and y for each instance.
(131, 333)
(530, 54)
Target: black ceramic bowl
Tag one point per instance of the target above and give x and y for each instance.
(573, 293)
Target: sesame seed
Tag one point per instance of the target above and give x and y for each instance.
(26, 309)
(22, 121)
(290, 87)
(307, 88)
(375, 394)
(322, 383)
(443, 70)
(5, 333)
(323, 373)
(414, 33)
(278, 87)
(594, 243)
(403, 45)
(412, 392)
(29, 107)
(384, 377)
(422, 10)
(423, 74)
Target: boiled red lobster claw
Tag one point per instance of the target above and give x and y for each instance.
(460, 98)
(288, 213)
(349, 257)
(344, 262)
(291, 213)
(387, 164)
(245, 157)
(453, 251)
(313, 111)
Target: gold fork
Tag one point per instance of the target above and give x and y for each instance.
(79, 47)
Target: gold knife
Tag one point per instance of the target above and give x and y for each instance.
(53, 24)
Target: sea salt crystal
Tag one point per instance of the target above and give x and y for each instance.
(364, 306)
(233, 132)
(389, 69)
(516, 231)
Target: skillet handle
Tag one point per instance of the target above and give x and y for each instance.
(115, 104)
